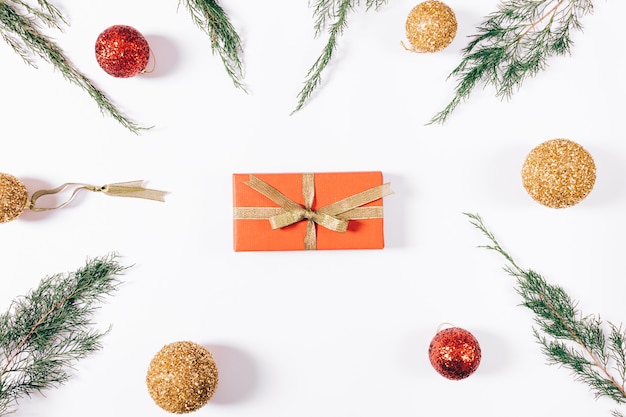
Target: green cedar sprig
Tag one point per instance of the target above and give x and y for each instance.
(325, 11)
(513, 44)
(209, 16)
(44, 332)
(568, 338)
(19, 23)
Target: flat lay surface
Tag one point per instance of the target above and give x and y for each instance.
(327, 332)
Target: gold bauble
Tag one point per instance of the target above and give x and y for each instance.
(182, 377)
(559, 173)
(431, 26)
(13, 197)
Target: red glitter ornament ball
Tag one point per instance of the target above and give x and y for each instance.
(454, 353)
(122, 51)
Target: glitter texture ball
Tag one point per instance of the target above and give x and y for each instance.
(182, 377)
(431, 26)
(122, 51)
(559, 173)
(454, 353)
(13, 197)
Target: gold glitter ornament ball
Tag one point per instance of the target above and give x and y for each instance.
(431, 26)
(13, 197)
(182, 377)
(559, 173)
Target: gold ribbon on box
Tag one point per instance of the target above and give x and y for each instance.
(334, 216)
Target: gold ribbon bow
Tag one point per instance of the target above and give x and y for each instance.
(334, 216)
(121, 189)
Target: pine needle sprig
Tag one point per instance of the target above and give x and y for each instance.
(331, 14)
(46, 331)
(46, 12)
(568, 338)
(209, 16)
(19, 28)
(513, 44)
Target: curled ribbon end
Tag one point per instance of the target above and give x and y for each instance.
(133, 189)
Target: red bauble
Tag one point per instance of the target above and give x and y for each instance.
(122, 51)
(454, 353)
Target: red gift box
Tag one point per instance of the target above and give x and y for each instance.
(308, 211)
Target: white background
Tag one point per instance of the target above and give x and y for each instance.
(327, 333)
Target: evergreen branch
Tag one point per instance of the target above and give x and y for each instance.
(209, 16)
(20, 31)
(46, 13)
(323, 12)
(617, 341)
(314, 75)
(513, 44)
(586, 371)
(568, 338)
(44, 332)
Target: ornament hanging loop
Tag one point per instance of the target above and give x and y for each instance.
(444, 324)
(67, 186)
(411, 49)
(152, 60)
(123, 189)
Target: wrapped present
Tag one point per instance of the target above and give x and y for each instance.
(279, 212)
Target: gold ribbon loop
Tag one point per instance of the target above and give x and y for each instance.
(272, 193)
(122, 189)
(357, 200)
(335, 216)
(295, 212)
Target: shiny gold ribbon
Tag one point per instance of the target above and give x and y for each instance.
(334, 216)
(132, 189)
